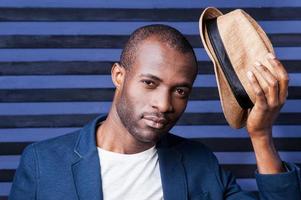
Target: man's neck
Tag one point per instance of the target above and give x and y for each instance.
(111, 135)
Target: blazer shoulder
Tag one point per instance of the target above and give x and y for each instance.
(65, 140)
(59, 145)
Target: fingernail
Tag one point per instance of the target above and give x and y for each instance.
(250, 74)
(257, 64)
(270, 56)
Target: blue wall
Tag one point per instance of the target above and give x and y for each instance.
(55, 59)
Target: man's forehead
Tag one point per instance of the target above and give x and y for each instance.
(150, 45)
(155, 51)
(164, 71)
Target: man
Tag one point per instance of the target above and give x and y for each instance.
(130, 155)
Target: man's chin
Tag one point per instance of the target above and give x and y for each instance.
(148, 138)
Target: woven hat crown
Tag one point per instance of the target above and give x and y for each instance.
(244, 43)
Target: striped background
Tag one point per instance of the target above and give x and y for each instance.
(55, 60)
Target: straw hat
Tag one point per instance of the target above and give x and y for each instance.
(234, 42)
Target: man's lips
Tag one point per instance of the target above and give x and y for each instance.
(154, 121)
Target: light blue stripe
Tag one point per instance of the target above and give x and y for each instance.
(148, 4)
(77, 81)
(9, 162)
(288, 27)
(32, 134)
(4, 188)
(6, 55)
(38, 134)
(292, 106)
(60, 81)
(288, 53)
(122, 28)
(249, 157)
(54, 108)
(70, 54)
(95, 81)
(86, 28)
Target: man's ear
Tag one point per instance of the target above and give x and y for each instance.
(117, 74)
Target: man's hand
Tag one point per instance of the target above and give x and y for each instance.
(270, 87)
(271, 92)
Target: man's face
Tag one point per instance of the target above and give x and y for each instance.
(155, 90)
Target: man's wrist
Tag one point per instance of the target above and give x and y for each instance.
(267, 157)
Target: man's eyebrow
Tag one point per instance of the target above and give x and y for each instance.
(184, 85)
(151, 77)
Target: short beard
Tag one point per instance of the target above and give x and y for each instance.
(127, 116)
(126, 113)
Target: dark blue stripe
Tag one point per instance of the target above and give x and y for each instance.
(148, 4)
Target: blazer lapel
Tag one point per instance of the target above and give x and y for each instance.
(86, 174)
(172, 173)
(86, 166)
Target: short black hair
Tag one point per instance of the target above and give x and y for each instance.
(165, 34)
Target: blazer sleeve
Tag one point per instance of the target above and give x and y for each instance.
(282, 186)
(25, 180)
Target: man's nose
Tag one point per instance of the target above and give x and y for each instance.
(162, 102)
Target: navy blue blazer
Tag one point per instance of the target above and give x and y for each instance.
(67, 167)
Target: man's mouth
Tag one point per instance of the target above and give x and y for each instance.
(155, 122)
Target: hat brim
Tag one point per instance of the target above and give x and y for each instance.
(234, 114)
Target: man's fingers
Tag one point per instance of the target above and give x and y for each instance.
(282, 77)
(268, 83)
(257, 71)
(260, 95)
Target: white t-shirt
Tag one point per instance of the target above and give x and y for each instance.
(130, 176)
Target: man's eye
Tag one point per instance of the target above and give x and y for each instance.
(148, 83)
(181, 92)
